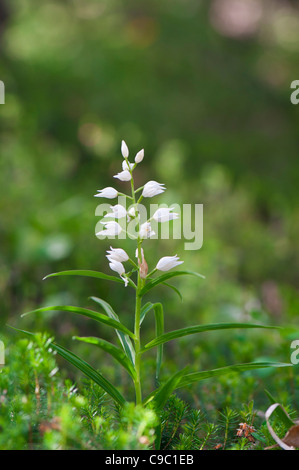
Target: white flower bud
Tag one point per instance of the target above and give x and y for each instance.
(124, 149)
(118, 212)
(164, 215)
(117, 254)
(119, 268)
(152, 188)
(168, 262)
(109, 193)
(123, 175)
(139, 156)
(111, 229)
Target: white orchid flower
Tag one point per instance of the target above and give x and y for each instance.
(124, 149)
(139, 156)
(117, 254)
(168, 262)
(111, 229)
(152, 188)
(146, 230)
(165, 214)
(124, 175)
(118, 212)
(118, 267)
(109, 193)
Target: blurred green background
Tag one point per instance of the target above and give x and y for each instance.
(204, 88)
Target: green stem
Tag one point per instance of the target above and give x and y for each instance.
(137, 381)
(138, 345)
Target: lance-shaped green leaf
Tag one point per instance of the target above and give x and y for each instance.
(115, 352)
(159, 397)
(90, 372)
(198, 376)
(144, 310)
(123, 338)
(161, 279)
(174, 289)
(88, 273)
(84, 367)
(159, 320)
(199, 329)
(86, 313)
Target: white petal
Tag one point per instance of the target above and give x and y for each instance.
(123, 175)
(139, 156)
(117, 267)
(117, 254)
(118, 212)
(124, 149)
(109, 193)
(112, 228)
(152, 188)
(168, 262)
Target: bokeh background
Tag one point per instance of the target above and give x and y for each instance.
(204, 88)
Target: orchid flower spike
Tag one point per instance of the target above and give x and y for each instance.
(118, 267)
(124, 149)
(118, 212)
(152, 188)
(164, 215)
(146, 230)
(168, 262)
(117, 254)
(109, 193)
(111, 229)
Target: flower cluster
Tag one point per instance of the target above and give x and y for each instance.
(117, 256)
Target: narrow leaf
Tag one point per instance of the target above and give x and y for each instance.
(174, 289)
(115, 352)
(123, 338)
(159, 319)
(198, 376)
(159, 397)
(90, 372)
(144, 310)
(198, 329)
(89, 273)
(158, 280)
(86, 313)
